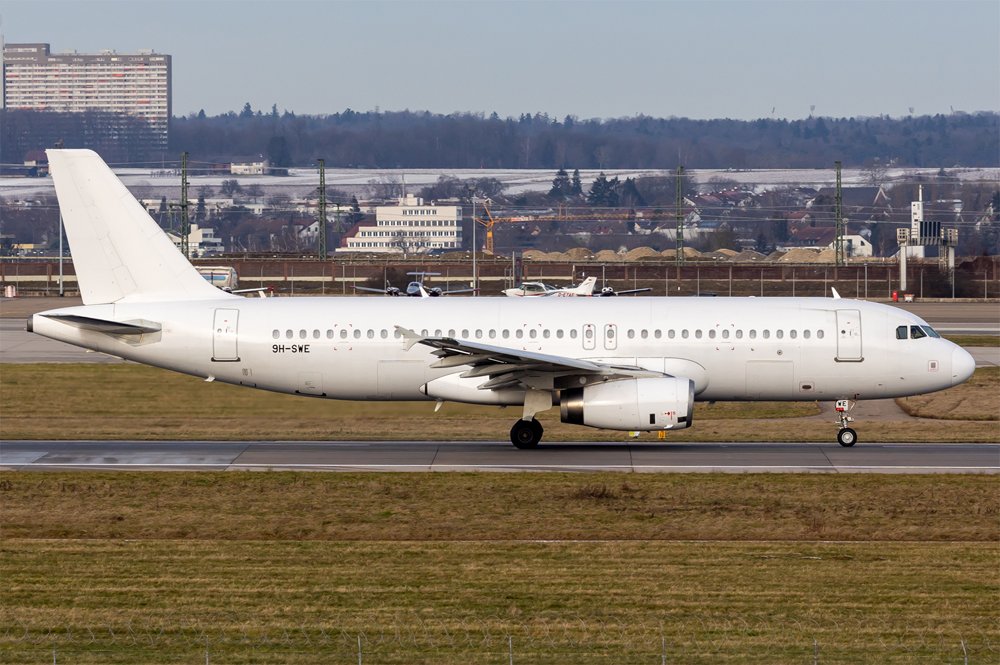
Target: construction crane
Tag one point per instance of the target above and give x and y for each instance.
(563, 214)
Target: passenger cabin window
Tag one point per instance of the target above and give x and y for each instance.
(276, 334)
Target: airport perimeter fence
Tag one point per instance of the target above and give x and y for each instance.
(977, 278)
(504, 642)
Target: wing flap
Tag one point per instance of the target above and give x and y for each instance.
(507, 367)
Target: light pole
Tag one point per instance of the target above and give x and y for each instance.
(475, 273)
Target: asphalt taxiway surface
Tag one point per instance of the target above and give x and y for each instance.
(498, 456)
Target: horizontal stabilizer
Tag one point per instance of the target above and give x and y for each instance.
(104, 325)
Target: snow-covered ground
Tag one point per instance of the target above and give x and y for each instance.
(300, 182)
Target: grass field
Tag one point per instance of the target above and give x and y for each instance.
(132, 401)
(472, 568)
(978, 398)
(974, 340)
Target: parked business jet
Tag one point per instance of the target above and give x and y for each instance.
(415, 289)
(535, 289)
(622, 364)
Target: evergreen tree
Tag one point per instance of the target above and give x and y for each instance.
(278, 153)
(247, 112)
(576, 187)
(630, 195)
(199, 211)
(598, 194)
(561, 187)
(613, 197)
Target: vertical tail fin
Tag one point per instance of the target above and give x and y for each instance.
(118, 250)
(586, 287)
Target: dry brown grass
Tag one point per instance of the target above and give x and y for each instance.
(136, 402)
(442, 568)
(976, 399)
(470, 506)
(456, 603)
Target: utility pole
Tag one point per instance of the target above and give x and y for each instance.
(185, 221)
(322, 209)
(680, 215)
(838, 243)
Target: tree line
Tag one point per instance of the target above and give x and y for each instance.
(415, 139)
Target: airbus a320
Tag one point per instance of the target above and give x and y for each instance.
(613, 363)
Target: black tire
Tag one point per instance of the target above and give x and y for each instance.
(847, 437)
(526, 434)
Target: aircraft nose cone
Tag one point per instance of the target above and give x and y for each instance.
(962, 366)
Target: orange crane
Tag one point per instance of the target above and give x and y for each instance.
(562, 215)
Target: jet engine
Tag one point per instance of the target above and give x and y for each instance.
(631, 404)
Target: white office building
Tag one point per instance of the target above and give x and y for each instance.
(410, 227)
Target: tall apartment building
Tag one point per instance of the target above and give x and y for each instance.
(409, 227)
(120, 87)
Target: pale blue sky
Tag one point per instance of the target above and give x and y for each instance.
(600, 59)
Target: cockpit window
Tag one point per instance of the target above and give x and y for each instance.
(930, 331)
(916, 332)
(901, 332)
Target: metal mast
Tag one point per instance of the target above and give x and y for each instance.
(680, 215)
(322, 209)
(838, 243)
(185, 221)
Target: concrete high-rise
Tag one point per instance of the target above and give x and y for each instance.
(117, 85)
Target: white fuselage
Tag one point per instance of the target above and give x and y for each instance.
(351, 348)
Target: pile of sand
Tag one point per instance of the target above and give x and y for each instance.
(607, 255)
(799, 255)
(640, 253)
(579, 254)
(748, 255)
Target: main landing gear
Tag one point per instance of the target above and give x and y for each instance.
(526, 433)
(846, 437)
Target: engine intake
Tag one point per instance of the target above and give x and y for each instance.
(631, 404)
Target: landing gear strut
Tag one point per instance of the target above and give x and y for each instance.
(526, 433)
(846, 437)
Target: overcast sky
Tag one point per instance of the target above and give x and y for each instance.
(741, 59)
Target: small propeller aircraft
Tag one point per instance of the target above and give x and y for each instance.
(416, 288)
(533, 289)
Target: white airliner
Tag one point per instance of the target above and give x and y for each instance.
(622, 364)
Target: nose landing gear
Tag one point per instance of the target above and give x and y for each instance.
(846, 437)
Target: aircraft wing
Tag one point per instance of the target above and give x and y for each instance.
(508, 367)
(611, 292)
(385, 292)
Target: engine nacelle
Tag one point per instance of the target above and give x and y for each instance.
(631, 404)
